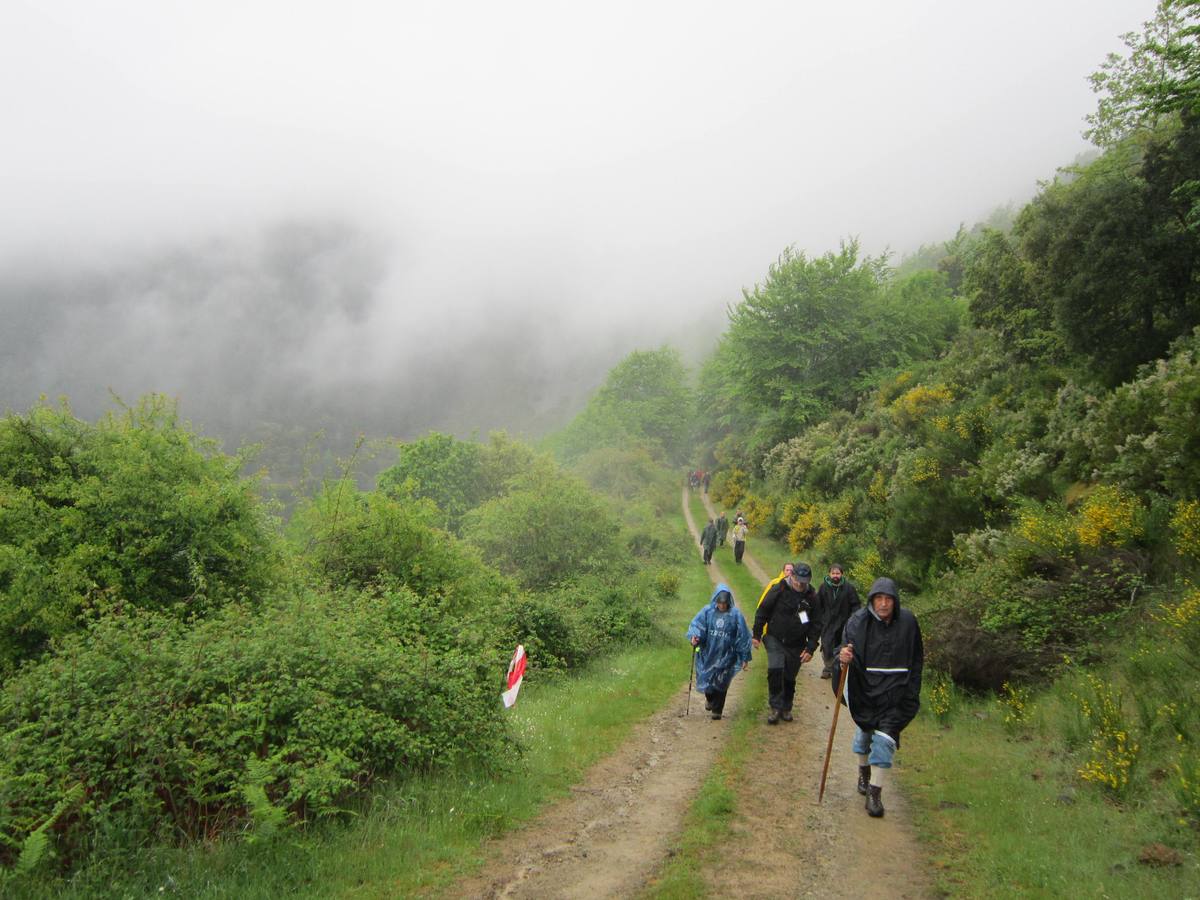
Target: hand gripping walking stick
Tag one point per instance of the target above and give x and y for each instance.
(837, 708)
(695, 651)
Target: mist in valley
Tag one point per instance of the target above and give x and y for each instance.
(388, 219)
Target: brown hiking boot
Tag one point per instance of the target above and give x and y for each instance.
(864, 779)
(874, 801)
(773, 717)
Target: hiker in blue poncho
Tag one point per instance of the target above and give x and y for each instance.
(723, 638)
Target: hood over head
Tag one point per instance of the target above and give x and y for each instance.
(722, 588)
(883, 586)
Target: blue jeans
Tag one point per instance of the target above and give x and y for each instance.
(881, 747)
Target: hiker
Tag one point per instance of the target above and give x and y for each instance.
(788, 616)
(787, 570)
(721, 633)
(708, 540)
(837, 599)
(722, 529)
(883, 686)
(707, 478)
(739, 539)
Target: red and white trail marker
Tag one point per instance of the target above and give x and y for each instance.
(516, 671)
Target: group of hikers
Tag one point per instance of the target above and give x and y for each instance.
(878, 646)
(698, 478)
(717, 530)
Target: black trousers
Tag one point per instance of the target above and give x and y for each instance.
(716, 699)
(783, 665)
(739, 547)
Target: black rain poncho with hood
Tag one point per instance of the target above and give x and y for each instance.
(883, 686)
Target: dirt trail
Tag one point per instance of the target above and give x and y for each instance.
(615, 831)
(782, 843)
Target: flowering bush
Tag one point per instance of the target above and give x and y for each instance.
(867, 568)
(1185, 527)
(924, 468)
(941, 697)
(728, 486)
(915, 405)
(1114, 752)
(1015, 702)
(1049, 528)
(1183, 615)
(1110, 516)
(758, 511)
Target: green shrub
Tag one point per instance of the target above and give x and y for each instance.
(135, 510)
(359, 539)
(455, 475)
(179, 733)
(549, 528)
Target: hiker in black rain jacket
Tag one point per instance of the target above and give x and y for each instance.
(788, 615)
(837, 600)
(882, 648)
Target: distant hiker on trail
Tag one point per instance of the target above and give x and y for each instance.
(883, 686)
(721, 633)
(722, 529)
(788, 614)
(740, 531)
(837, 599)
(707, 478)
(708, 540)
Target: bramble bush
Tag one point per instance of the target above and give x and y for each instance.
(172, 731)
(583, 618)
(135, 510)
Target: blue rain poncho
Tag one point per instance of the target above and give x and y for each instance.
(724, 643)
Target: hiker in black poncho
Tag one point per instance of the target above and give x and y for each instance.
(883, 686)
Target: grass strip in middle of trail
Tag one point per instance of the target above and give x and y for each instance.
(714, 811)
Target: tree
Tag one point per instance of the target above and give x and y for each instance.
(436, 467)
(1136, 90)
(645, 400)
(1002, 299)
(794, 346)
(1111, 253)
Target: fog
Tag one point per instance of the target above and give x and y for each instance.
(459, 215)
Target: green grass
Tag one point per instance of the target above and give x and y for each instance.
(1006, 813)
(708, 820)
(711, 813)
(418, 835)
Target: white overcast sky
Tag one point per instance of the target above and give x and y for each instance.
(616, 161)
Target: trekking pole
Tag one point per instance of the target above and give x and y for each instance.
(695, 652)
(837, 708)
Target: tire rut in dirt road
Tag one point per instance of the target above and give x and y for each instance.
(783, 844)
(615, 831)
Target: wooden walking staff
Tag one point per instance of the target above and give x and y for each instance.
(837, 708)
